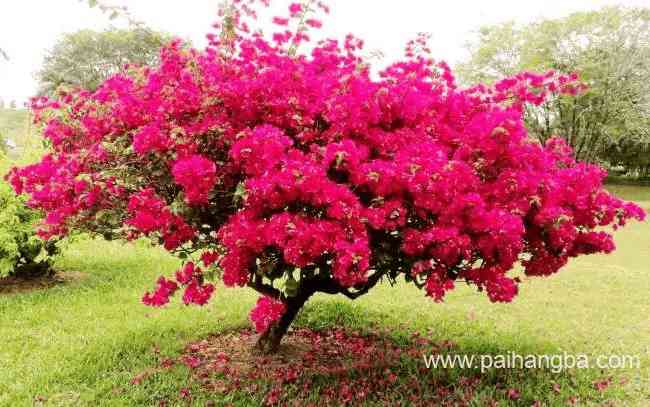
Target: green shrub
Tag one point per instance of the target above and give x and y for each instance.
(22, 252)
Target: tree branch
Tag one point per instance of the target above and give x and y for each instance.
(257, 285)
(372, 281)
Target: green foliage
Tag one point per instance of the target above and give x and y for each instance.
(86, 58)
(631, 152)
(610, 49)
(21, 250)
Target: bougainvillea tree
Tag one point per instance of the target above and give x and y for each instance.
(296, 172)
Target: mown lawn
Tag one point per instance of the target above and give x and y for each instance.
(82, 342)
(16, 126)
(13, 122)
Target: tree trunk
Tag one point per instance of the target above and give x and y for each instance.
(269, 341)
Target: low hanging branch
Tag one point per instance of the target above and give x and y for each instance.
(260, 163)
(264, 289)
(364, 288)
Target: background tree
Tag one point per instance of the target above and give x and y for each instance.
(86, 58)
(113, 12)
(633, 153)
(610, 49)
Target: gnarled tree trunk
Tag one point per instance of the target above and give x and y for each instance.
(269, 341)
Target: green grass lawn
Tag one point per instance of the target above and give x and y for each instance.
(16, 125)
(13, 121)
(81, 343)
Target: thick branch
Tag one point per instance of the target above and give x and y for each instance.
(262, 288)
(372, 281)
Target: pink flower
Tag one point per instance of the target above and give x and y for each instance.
(187, 274)
(314, 23)
(196, 293)
(185, 393)
(438, 284)
(209, 258)
(295, 9)
(150, 139)
(513, 394)
(150, 214)
(161, 296)
(501, 289)
(266, 312)
(197, 175)
(280, 21)
(191, 362)
(603, 384)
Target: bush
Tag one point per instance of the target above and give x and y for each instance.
(296, 173)
(22, 252)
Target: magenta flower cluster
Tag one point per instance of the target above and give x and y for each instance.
(266, 311)
(252, 150)
(190, 277)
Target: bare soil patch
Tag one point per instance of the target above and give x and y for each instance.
(337, 367)
(20, 284)
(333, 366)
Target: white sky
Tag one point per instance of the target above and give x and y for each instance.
(29, 27)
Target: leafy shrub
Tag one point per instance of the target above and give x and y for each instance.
(303, 173)
(22, 252)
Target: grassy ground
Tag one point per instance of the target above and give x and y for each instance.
(82, 342)
(15, 125)
(13, 122)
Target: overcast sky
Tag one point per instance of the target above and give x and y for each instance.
(29, 27)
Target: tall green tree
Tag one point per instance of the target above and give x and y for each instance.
(86, 58)
(609, 48)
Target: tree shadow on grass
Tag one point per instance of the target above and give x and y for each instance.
(339, 354)
(515, 371)
(27, 283)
